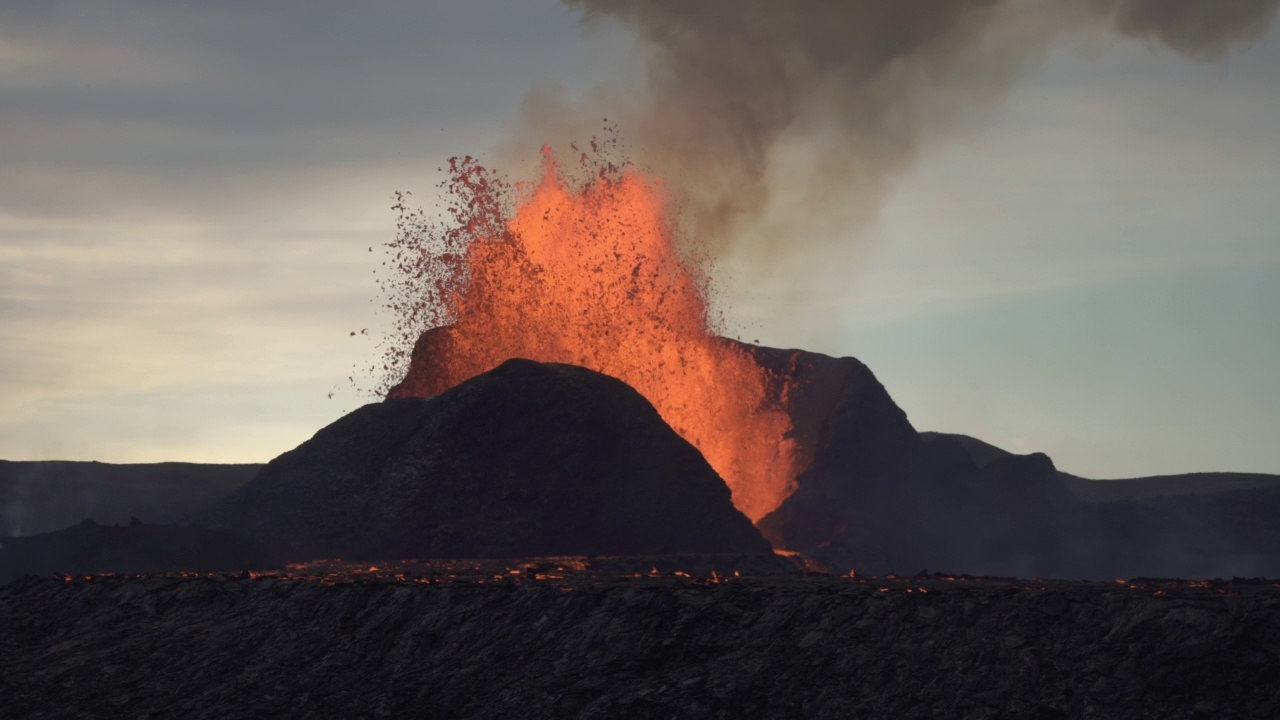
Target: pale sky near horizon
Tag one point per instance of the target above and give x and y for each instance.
(188, 193)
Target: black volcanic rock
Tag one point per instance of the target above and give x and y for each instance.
(90, 548)
(878, 496)
(863, 455)
(872, 488)
(769, 648)
(528, 459)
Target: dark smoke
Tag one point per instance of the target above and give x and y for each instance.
(1192, 27)
(731, 84)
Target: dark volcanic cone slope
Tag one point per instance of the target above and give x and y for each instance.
(528, 459)
(880, 497)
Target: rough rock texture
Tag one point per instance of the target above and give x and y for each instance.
(528, 459)
(135, 548)
(806, 647)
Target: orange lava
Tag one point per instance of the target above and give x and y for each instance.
(589, 273)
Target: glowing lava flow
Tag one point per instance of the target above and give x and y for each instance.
(589, 273)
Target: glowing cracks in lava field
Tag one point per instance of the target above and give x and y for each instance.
(587, 271)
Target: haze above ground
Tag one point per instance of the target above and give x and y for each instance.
(188, 194)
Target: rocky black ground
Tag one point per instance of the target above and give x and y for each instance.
(542, 459)
(533, 645)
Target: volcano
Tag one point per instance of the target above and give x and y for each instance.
(590, 267)
(584, 267)
(529, 459)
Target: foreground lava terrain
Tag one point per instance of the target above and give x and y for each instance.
(565, 638)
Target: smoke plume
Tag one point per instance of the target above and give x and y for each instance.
(1192, 27)
(730, 85)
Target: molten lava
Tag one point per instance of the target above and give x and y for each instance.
(589, 272)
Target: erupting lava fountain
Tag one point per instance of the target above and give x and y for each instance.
(586, 271)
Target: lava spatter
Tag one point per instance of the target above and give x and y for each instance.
(586, 270)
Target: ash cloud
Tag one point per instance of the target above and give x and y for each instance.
(1191, 27)
(730, 84)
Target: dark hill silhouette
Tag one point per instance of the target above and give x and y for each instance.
(42, 496)
(877, 495)
(1140, 488)
(880, 497)
(89, 548)
(1158, 486)
(528, 459)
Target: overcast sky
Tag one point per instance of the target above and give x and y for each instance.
(188, 192)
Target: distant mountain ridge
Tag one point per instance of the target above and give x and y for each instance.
(45, 495)
(877, 496)
(38, 496)
(1123, 489)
